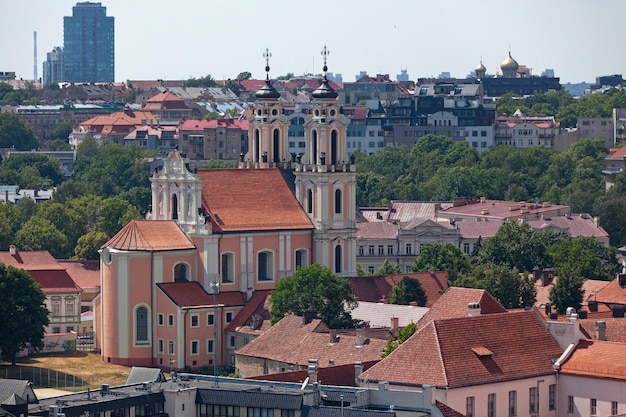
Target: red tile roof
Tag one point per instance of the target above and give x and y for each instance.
(31, 260)
(256, 305)
(453, 303)
(443, 353)
(617, 153)
(238, 200)
(118, 122)
(375, 288)
(615, 330)
(291, 341)
(195, 125)
(192, 294)
(590, 288)
(55, 281)
(86, 274)
(612, 293)
(447, 411)
(150, 235)
(597, 359)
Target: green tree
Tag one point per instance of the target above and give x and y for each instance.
(435, 257)
(388, 268)
(245, 75)
(61, 132)
(316, 288)
(40, 167)
(584, 256)
(403, 335)
(511, 288)
(114, 214)
(515, 245)
(206, 81)
(41, 234)
(408, 290)
(15, 134)
(23, 310)
(567, 291)
(89, 244)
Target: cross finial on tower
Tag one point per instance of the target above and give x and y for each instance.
(325, 53)
(267, 55)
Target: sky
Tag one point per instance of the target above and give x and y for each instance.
(180, 39)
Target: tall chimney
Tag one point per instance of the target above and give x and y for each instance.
(358, 368)
(600, 330)
(12, 250)
(395, 324)
(473, 309)
(312, 369)
(359, 338)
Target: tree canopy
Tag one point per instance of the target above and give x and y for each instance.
(23, 310)
(315, 288)
(407, 291)
(435, 257)
(15, 134)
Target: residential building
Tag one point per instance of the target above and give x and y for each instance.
(53, 70)
(592, 380)
(224, 139)
(214, 237)
(163, 138)
(597, 128)
(168, 108)
(63, 296)
(89, 44)
(111, 128)
(380, 87)
(503, 366)
(294, 341)
(523, 131)
(619, 121)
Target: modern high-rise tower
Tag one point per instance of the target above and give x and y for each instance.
(89, 44)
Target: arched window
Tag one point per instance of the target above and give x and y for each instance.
(314, 147)
(174, 207)
(338, 260)
(338, 201)
(257, 145)
(265, 266)
(333, 147)
(141, 326)
(276, 146)
(309, 201)
(302, 258)
(228, 268)
(181, 273)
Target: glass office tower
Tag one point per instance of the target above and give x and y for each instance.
(88, 44)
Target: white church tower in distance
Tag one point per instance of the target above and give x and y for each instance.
(326, 181)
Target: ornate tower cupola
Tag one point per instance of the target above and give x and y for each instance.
(326, 181)
(268, 127)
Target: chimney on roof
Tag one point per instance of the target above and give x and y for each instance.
(312, 369)
(333, 336)
(395, 324)
(473, 309)
(358, 368)
(413, 303)
(360, 338)
(12, 250)
(600, 330)
(621, 280)
(308, 316)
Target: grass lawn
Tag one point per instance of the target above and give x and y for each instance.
(84, 365)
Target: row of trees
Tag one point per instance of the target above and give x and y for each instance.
(438, 169)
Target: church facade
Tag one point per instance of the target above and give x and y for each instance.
(171, 283)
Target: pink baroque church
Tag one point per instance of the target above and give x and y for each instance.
(217, 238)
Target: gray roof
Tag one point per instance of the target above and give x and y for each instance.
(250, 398)
(139, 374)
(8, 387)
(346, 412)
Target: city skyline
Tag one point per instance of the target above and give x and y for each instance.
(155, 40)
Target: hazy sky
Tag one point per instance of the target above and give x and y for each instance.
(178, 39)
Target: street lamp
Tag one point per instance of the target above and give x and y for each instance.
(215, 286)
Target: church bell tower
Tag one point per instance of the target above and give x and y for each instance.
(326, 181)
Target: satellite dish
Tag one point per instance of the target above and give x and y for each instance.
(304, 384)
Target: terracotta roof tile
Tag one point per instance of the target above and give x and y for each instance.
(597, 359)
(150, 235)
(447, 411)
(55, 281)
(612, 293)
(291, 341)
(31, 260)
(238, 199)
(441, 353)
(86, 274)
(192, 294)
(453, 303)
(256, 305)
(615, 330)
(376, 288)
(590, 288)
